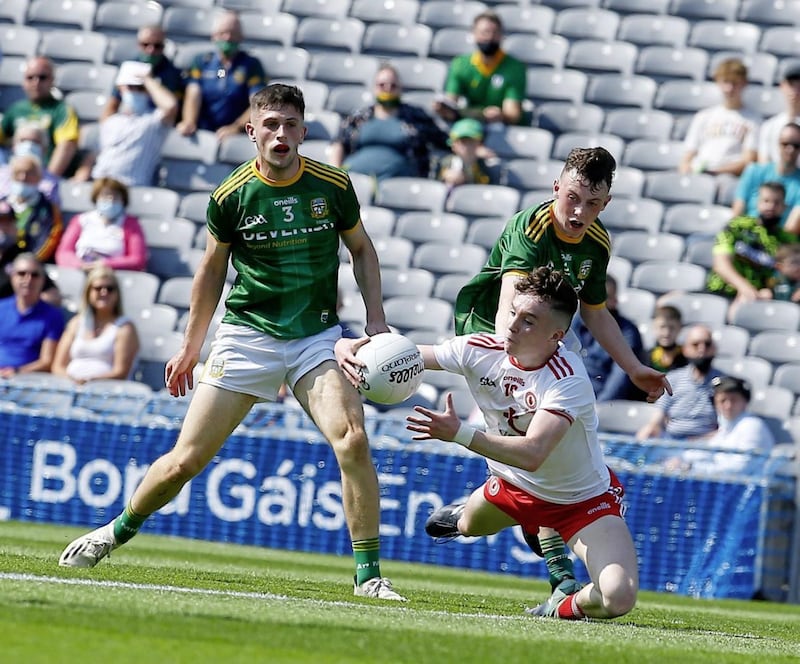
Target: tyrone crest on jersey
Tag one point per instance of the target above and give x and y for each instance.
(319, 207)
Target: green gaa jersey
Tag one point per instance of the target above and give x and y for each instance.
(530, 239)
(284, 239)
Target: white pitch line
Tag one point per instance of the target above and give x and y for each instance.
(58, 580)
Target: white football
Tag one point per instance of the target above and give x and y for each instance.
(394, 368)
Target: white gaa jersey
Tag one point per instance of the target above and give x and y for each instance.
(509, 395)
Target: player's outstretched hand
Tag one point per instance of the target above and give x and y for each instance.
(178, 375)
(652, 382)
(345, 351)
(442, 426)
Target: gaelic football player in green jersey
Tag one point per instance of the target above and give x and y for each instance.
(278, 218)
(565, 234)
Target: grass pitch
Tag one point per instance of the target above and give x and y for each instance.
(171, 601)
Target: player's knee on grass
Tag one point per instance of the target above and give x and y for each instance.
(618, 593)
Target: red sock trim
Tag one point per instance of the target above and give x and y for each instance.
(569, 609)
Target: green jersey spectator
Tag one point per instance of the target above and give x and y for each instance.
(56, 117)
(490, 82)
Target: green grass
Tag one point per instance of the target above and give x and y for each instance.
(169, 600)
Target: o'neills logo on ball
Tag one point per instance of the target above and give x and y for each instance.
(400, 362)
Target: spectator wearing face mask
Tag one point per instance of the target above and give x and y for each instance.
(487, 84)
(739, 433)
(30, 139)
(38, 219)
(688, 412)
(106, 235)
(388, 138)
(220, 83)
(152, 41)
(131, 139)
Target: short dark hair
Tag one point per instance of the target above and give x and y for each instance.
(669, 312)
(729, 384)
(550, 286)
(594, 165)
(775, 187)
(488, 15)
(114, 185)
(277, 95)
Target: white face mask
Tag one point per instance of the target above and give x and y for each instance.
(137, 103)
(28, 148)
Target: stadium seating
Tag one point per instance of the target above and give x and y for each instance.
(655, 59)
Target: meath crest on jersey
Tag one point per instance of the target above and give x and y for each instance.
(584, 269)
(319, 208)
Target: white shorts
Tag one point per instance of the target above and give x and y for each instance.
(247, 361)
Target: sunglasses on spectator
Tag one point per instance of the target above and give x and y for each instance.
(145, 44)
(37, 77)
(701, 342)
(109, 288)
(790, 144)
(28, 273)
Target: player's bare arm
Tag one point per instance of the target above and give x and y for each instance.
(606, 330)
(368, 276)
(527, 452)
(206, 290)
(507, 285)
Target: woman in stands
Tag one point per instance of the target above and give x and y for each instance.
(105, 235)
(99, 342)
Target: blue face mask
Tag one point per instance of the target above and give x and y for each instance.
(110, 209)
(22, 190)
(137, 103)
(25, 148)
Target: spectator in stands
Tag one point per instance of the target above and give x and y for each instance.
(99, 342)
(130, 140)
(487, 84)
(608, 379)
(105, 235)
(688, 411)
(38, 219)
(744, 252)
(785, 283)
(388, 138)
(54, 115)
(29, 327)
(465, 163)
(723, 139)
(739, 433)
(221, 82)
(667, 354)
(151, 40)
(13, 242)
(30, 139)
(784, 171)
(769, 149)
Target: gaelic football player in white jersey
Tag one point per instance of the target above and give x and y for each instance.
(545, 462)
(279, 218)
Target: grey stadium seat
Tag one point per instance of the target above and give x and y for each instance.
(640, 246)
(561, 116)
(538, 50)
(553, 84)
(652, 29)
(633, 123)
(582, 23)
(720, 35)
(262, 28)
(592, 55)
(474, 200)
(662, 276)
(663, 63)
(633, 214)
(621, 90)
(324, 34)
(398, 39)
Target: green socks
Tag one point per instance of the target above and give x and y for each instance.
(559, 564)
(367, 554)
(127, 524)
